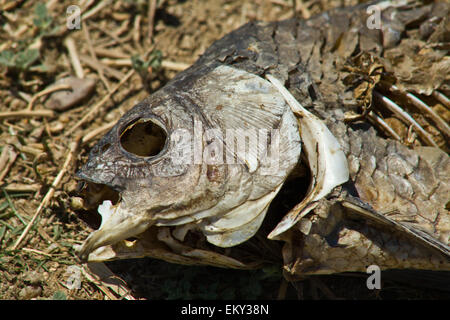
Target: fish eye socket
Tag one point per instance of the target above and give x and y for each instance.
(143, 138)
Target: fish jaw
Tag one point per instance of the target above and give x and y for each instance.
(118, 223)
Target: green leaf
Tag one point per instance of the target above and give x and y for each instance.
(41, 11)
(59, 295)
(7, 58)
(42, 20)
(155, 59)
(136, 62)
(26, 58)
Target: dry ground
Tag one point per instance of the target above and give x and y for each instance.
(37, 164)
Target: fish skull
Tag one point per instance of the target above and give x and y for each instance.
(206, 154)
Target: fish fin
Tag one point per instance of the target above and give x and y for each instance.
(359, 208)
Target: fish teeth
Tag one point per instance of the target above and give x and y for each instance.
(105, 211)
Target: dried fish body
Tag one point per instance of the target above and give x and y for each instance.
(392, 212)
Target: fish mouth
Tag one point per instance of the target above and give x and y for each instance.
(98, 202)
(117, 225)
(118, 234)
(111, 221)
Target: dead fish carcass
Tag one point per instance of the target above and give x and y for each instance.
(197, 164)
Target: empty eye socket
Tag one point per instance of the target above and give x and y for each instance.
(143, 138)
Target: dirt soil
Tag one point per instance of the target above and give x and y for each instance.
(40, 216)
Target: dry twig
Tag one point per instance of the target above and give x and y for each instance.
(151, 18)
(96, 9)
(72, 149)
(94, 56)
(26, 114)
(36, 252)
(137, 33)
(7, 158)
(19, 187)
(74, 59)
(110, 53)
(171, 65)
(97, 106)
(95, 64)
(93, 133)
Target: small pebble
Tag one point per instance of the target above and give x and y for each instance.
(76, 203)
(65, 99)
(33, 277)
(30, 292)
(64, 118)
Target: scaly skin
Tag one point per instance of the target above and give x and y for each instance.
(408, 187)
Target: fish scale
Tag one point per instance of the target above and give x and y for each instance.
(392, 212)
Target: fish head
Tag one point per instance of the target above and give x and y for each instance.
(198, 155)
(145, 157)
